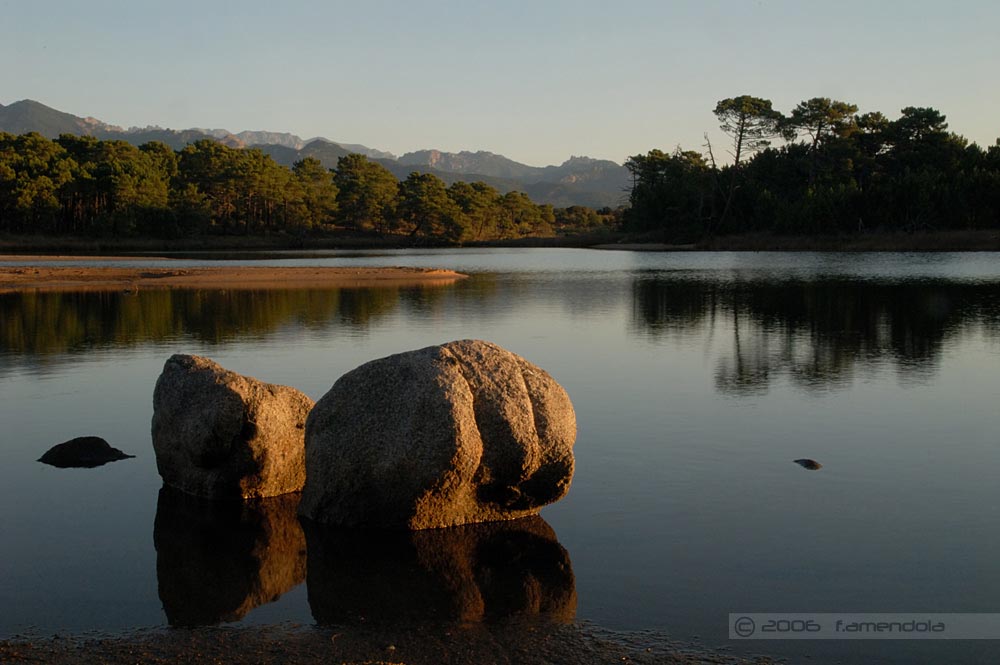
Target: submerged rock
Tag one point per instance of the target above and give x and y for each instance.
(445, 435)
(465, 574)
(810, 464)
(82, 452)
(219, 434)
(217, 560)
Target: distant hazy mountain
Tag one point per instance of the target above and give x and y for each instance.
(602, 180)
(573, 189)
(28, 115)
(261, 139)
(362, 150)
(213, 133)
(325, 151)
(485, 163)
(176, 139)
(282, 154)
(577, 181)
(272, 138)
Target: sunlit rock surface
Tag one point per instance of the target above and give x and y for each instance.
(459, 433)
(465, 574)
(219, 434)
(82, 452)
(217, 560)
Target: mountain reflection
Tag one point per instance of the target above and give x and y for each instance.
(466, 574)
(217, 560)
(820, 332)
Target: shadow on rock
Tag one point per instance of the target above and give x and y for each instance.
(465, 574)
(217, 560)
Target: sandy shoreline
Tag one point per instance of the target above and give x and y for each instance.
(296, 645)
(97, 278)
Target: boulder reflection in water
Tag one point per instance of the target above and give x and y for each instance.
(217, 560)
(463, 574)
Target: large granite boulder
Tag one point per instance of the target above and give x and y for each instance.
(447, 435)
(221, 435)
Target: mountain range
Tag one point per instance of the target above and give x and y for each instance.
(577, 181)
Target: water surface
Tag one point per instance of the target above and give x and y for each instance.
(697, 380)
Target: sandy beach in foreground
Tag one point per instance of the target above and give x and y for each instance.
(100, 278)
(266, 645)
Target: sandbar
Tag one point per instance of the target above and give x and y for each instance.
(131, 279)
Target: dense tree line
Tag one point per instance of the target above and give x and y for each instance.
(79, 185)
(837, 171)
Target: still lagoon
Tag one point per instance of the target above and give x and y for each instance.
(697, 379)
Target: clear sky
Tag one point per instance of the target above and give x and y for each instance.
(537, 81)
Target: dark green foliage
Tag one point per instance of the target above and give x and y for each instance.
(520, 217)
(317, 193)
(33, 173)
(577, 219)
(674, 193)
(750, 122)
(820, 118)
(480, 205)
(425, 210)
(851, 174)
(368, 193)
(80, 185)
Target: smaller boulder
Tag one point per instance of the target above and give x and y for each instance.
(83, 452)
(222, 435)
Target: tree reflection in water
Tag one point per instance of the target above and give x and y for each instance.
(819, 333)
(45, 325)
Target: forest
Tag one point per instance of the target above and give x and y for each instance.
(83, 186)
(836, 172)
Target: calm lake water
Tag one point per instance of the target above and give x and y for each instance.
(697, 380)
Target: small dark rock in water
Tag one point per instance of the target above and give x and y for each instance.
(82, 452)
(810, 464)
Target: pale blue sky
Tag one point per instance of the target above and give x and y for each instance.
(537, 81)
